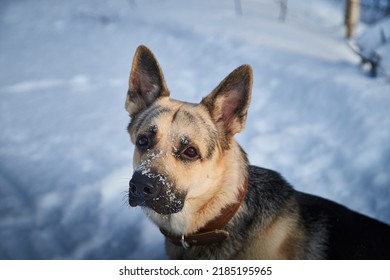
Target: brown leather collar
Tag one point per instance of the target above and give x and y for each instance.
(211, 232)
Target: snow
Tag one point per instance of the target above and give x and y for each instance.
(65, 156)
(374, 44)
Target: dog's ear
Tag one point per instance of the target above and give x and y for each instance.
(146, 83)
(228, 103)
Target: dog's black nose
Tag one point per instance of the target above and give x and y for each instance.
(142, 188)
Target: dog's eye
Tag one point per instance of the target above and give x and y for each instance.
(142, 141)
(190, 153)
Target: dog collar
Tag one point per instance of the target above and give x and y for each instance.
(196, 239)
(212, 232)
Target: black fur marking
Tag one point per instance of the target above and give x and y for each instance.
(211, 148)
(212, 136)
(147, 116)
(350, 235)
(175, 115)
(189, 117)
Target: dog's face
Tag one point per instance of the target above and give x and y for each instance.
(179, 147)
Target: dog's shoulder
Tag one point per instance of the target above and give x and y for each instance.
(268, 190)
(268, 180)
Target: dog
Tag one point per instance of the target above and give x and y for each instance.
(194, 181)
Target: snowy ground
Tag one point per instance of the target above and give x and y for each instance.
(65, 157)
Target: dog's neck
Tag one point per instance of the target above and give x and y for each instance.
(213, 231)
(227, 213)
(227, 181)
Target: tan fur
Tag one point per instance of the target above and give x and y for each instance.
(281, 239)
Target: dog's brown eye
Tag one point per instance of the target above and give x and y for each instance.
(142, 141)
(190, 152)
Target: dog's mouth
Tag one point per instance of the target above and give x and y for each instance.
(162, 208)
(154, 192)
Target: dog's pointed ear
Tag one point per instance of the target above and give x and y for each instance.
(146, 83)
(228, 103)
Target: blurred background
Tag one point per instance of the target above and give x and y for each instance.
(318, 115)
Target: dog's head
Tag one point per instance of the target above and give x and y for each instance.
(179, 146)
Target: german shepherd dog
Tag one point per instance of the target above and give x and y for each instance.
(193, 180)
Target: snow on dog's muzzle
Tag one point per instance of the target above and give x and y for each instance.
(154, 191)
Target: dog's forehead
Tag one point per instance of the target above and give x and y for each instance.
(173, 117)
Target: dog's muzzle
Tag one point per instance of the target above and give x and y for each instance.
(155, 192)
